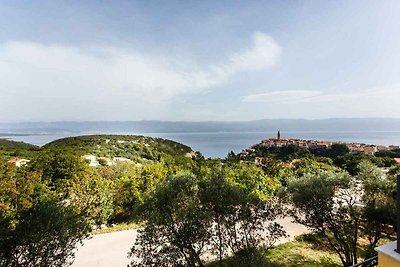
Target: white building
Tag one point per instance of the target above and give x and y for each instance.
(93, 162)
(18, 161)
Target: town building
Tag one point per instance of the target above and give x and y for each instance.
(93, 162)
(18, 161)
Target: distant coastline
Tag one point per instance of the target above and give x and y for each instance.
(265, 125)
(219, 144)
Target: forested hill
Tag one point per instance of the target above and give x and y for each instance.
(129, 146)
(13, 145)
(14, 148)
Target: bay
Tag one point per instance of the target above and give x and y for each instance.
(219, 144)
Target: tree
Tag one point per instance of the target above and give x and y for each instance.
(176, 230)
(58, 168)
(241, 220)
(224, 209)
(35, 228)
(326, 203)
(44, 235)
(250, 178)
(132, 184)
(334, 151)
(342, 208)
(308, 165)
(232, 157)
(92, 195)
(379, 199)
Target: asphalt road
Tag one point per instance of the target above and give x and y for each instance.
(109, 250)
(106, 250)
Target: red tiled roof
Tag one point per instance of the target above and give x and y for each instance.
(13, 160)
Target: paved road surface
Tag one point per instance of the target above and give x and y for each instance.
(109, 250)
(106, 250)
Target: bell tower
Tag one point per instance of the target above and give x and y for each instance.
(278, 135)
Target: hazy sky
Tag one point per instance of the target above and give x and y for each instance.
(198, 60)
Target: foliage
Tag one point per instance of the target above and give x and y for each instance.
(92, 195)
(10, 148)
(15, 145)
(395, 153)
(176, 229)
(215, 212)
(395, 170)
(350, 162)
(290, 152)
(250, 178)
(239, 218)
(379, 199)
(308, 165)
(99, 192)
(43, 235)
(129, 146)
(232, 157)
(192, 206)
(36, 229)
(332, 152)
(284, 153)
(20, 188)
(58, 168)
(132, 184)
(307, 250)
(344, 208)
(324, 202)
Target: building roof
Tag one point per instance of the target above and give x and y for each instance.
(14, 160)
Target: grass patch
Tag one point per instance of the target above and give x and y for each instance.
(301, 253)
(306, 251)
(115, 228)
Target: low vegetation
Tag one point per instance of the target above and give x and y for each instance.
(307, 250)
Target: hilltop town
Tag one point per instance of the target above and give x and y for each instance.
(279, 142)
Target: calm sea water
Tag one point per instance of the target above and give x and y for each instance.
(219, 144)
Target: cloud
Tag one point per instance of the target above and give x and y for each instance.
(369, 102)
(313, 96)
(282, 96)
(100, 80)
(264, 53)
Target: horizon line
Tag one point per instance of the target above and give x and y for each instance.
(202, 121)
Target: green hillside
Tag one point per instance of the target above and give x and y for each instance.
(128, 146)
(12, 145)
(10, 148)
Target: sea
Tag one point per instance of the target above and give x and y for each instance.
(219, 144)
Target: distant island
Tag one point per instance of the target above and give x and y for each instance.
(263, 125)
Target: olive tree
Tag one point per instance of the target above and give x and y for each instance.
(242, 221)
(343, 209)
(176, 226)
(191, 219)
(45, 234)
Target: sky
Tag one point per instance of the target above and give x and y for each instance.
(198, 60)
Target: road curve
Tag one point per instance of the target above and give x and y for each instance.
(106, 250)
(109, 250)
